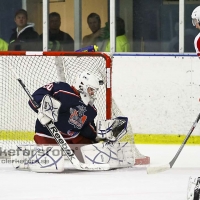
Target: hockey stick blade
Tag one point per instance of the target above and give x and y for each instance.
(156, 169)
(61, 141)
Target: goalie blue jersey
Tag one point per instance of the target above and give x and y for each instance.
(74, 116)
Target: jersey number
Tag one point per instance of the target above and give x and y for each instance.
(49, 86)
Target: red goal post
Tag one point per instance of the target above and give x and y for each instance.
(36, 69)
(107, 65)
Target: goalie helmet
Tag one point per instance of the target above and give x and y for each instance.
(196, 16)
(87, 84)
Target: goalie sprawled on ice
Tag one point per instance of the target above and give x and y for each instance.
(72, 110)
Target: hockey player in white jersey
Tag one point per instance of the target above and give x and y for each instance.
(72, 110)
(193, 191)
(196, 22)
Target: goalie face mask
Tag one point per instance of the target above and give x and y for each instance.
(87, 84)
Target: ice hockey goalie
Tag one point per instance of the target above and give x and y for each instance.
(72, 110)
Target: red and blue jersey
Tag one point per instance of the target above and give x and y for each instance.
(74, 116)
(197, 44)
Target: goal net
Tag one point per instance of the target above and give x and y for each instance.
(17, 120)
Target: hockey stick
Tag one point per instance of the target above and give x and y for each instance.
(153, 170)
(61, 141)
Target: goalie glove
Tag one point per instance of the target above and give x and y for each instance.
(120, 128)
(48, 110)
(111, 130)
(104, 130)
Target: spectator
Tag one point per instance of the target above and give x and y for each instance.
(101, 36)
(58, 40)
(94, 23)
(23, 35)
(122, 44)
(3, 45)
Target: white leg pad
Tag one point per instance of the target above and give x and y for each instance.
(126, 154)
(117, 155)
(20, 156)
(38, 158)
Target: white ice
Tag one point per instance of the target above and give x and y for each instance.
(121, 184)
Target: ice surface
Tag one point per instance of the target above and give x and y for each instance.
(121, 184)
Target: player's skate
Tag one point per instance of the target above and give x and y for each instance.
(193, 190)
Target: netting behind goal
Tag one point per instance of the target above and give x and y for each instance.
(36, 69)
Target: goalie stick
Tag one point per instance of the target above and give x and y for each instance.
(61, 141)
(154, 169)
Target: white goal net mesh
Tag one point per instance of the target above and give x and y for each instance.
(17, 120)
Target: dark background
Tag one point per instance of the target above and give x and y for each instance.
(7, 10)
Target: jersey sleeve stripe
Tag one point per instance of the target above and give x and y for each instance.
(66, 92)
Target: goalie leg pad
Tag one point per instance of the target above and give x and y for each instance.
(20, 156)
(100, 154)
(39, 158)
(126, 154)
(116, 155)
